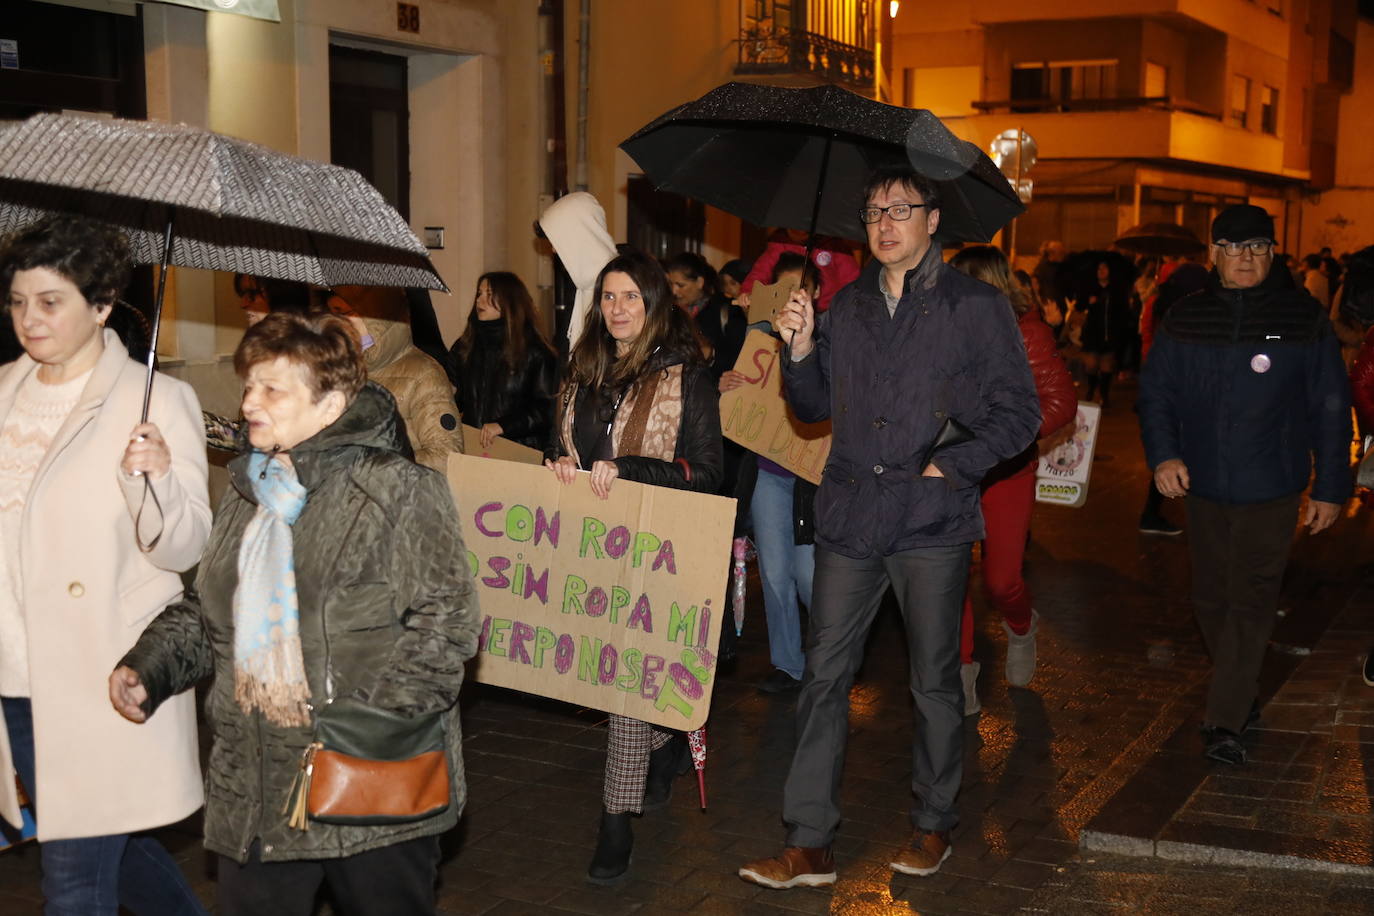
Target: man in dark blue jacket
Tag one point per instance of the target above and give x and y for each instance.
(909, 345)
(1243, 387)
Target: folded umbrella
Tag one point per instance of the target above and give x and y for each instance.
(799, 158)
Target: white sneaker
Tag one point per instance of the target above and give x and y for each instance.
(1021, 653)
(969, 674)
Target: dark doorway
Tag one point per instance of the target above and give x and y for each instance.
(662, 223)
(72, 59)
(369, 120)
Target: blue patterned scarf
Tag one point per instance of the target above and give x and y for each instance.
(269, 669)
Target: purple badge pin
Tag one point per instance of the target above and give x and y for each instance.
(1260, 363)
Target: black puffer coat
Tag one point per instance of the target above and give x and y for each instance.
(724, 326)
(489, 391)
(1246, 387)
(383, 588)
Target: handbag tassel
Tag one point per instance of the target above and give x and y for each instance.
(299, 792)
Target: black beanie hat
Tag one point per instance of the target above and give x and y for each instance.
(1242, 222)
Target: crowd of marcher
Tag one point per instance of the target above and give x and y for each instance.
(331, 592)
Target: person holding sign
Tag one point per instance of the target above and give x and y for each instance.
(1009, 489)
(924, 377)
(335, 584)
(639, 403)
(505, 369)
(782, 507)
(721, 323)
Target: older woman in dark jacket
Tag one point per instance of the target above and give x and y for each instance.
(505, 369)
(640, 404)
(335, 572)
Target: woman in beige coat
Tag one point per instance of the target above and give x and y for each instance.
(76, 587)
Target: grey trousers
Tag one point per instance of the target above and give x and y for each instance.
(1239, 553)
(929, 583)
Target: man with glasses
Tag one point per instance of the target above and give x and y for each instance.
(1243, 389)
(911, 353)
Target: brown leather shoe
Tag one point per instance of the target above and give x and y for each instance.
(798, 866)
(924, 855)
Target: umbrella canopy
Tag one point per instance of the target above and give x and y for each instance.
(760, 153)
(234, 205)
(1162, 239)
(1080, 271)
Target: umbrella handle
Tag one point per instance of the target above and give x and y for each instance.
(157, 314)
(815, 216)
(148, 386)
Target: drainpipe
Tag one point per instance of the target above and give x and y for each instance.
(583, 68)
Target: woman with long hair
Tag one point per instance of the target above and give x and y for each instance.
(1009, 488)
(639, 403)
(721, 323)
(504, 367)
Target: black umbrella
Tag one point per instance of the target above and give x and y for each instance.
(194, 198)
(1081, 270)
(799, 158)
(1162, 239)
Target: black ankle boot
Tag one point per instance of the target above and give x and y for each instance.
(666, 764)
(613, 844)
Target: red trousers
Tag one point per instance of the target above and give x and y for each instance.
(1007, 506)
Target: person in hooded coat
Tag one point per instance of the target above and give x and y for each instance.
(575, 226)
(416, 380)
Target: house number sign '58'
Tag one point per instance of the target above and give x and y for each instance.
(408, 17)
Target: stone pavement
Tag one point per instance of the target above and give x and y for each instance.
(1303, 801)
(1121, 666)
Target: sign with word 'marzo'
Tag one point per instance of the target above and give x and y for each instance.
(1063, 472)
(615, 604)
(756, 414)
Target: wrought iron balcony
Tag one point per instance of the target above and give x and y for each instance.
(780, 50)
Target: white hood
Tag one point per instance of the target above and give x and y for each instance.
(576, 227)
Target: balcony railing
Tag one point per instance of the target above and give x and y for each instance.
(1058, 106)
(794, 51)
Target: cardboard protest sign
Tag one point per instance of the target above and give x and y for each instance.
(1062, 476)
(765, 301)
(757, 416)
(614, 604)
(501, 448)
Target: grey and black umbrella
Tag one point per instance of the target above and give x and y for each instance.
(799, 158)
(194, 198)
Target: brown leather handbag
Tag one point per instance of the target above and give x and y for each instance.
(370, 766)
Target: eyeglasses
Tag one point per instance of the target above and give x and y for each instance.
(252, 293)
(898, 212)
(1258, 247)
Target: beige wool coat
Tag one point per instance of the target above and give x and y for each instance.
(88, 592)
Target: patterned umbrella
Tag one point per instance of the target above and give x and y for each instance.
(194, 198)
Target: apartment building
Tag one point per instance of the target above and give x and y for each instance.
(1142, 110)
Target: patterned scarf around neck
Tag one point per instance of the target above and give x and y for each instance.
(269, 669)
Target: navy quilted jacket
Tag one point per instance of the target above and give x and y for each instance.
(887, 384)
(1246, 387)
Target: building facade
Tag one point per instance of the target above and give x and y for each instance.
(1142, 110)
